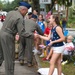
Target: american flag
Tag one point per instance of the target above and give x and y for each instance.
(48, 14)
(69, 48)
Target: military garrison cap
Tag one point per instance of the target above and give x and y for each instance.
(25, 4)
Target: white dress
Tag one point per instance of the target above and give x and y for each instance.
(67, 48)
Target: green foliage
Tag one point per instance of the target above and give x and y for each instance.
(60, 2)
(7, 7)
(1, 5)
(71, 19)
(71, 22)
(35, 4)
(11, 6)
(65, 2)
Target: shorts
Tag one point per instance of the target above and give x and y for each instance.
(58, 49)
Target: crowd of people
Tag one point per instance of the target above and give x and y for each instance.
(33, 30)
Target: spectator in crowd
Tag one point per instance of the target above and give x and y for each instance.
(46, 33)
(69, 46)
(28, 15)
(64, 23)
(3, 18)
(35, 12)
(41, 24)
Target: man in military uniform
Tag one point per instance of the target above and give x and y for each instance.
(30, 26)
(13, 24)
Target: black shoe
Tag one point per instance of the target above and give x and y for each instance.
(0, 64)
(29, 64)
(21, 62)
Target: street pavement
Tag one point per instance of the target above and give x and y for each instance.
(20, 70)
(1, 24)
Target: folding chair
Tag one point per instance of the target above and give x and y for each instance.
(69, 56)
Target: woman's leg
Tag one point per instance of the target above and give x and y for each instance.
(50, 54)
(52, 62)
(58, 64)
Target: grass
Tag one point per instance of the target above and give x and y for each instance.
(67, 69)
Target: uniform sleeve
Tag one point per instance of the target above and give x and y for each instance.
(21, 29)
(39, 30)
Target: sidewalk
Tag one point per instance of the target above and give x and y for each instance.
(20, 70)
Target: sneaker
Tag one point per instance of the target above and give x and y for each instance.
(35, 51)
(42, 46)
(29, 64)
(42, 55)
(64, 62)
(21, 62)
(44, 59)
(0, 64)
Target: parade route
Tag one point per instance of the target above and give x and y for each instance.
(20, 70)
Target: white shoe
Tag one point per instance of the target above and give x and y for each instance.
(64, 62)
(35, 51)
(42, 46)
(42, 55)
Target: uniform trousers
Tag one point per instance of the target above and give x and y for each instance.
(26, 47)
(7, 49)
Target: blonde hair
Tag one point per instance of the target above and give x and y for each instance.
(70, 37)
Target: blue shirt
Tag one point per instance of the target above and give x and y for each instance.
(42, 26)
(55, 36)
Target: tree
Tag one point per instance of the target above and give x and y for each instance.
(1, 5)
(35, 4)
(66, 3)
(11, 6)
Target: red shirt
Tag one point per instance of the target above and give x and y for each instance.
(47, 30)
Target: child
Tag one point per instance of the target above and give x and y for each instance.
(46, 33)
(42, 25)
(69, 46)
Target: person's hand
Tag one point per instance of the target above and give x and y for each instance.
(36, 35)
(51, 42)
(39, 36)
(17, 37)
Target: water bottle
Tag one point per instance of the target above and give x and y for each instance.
(45, 54)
